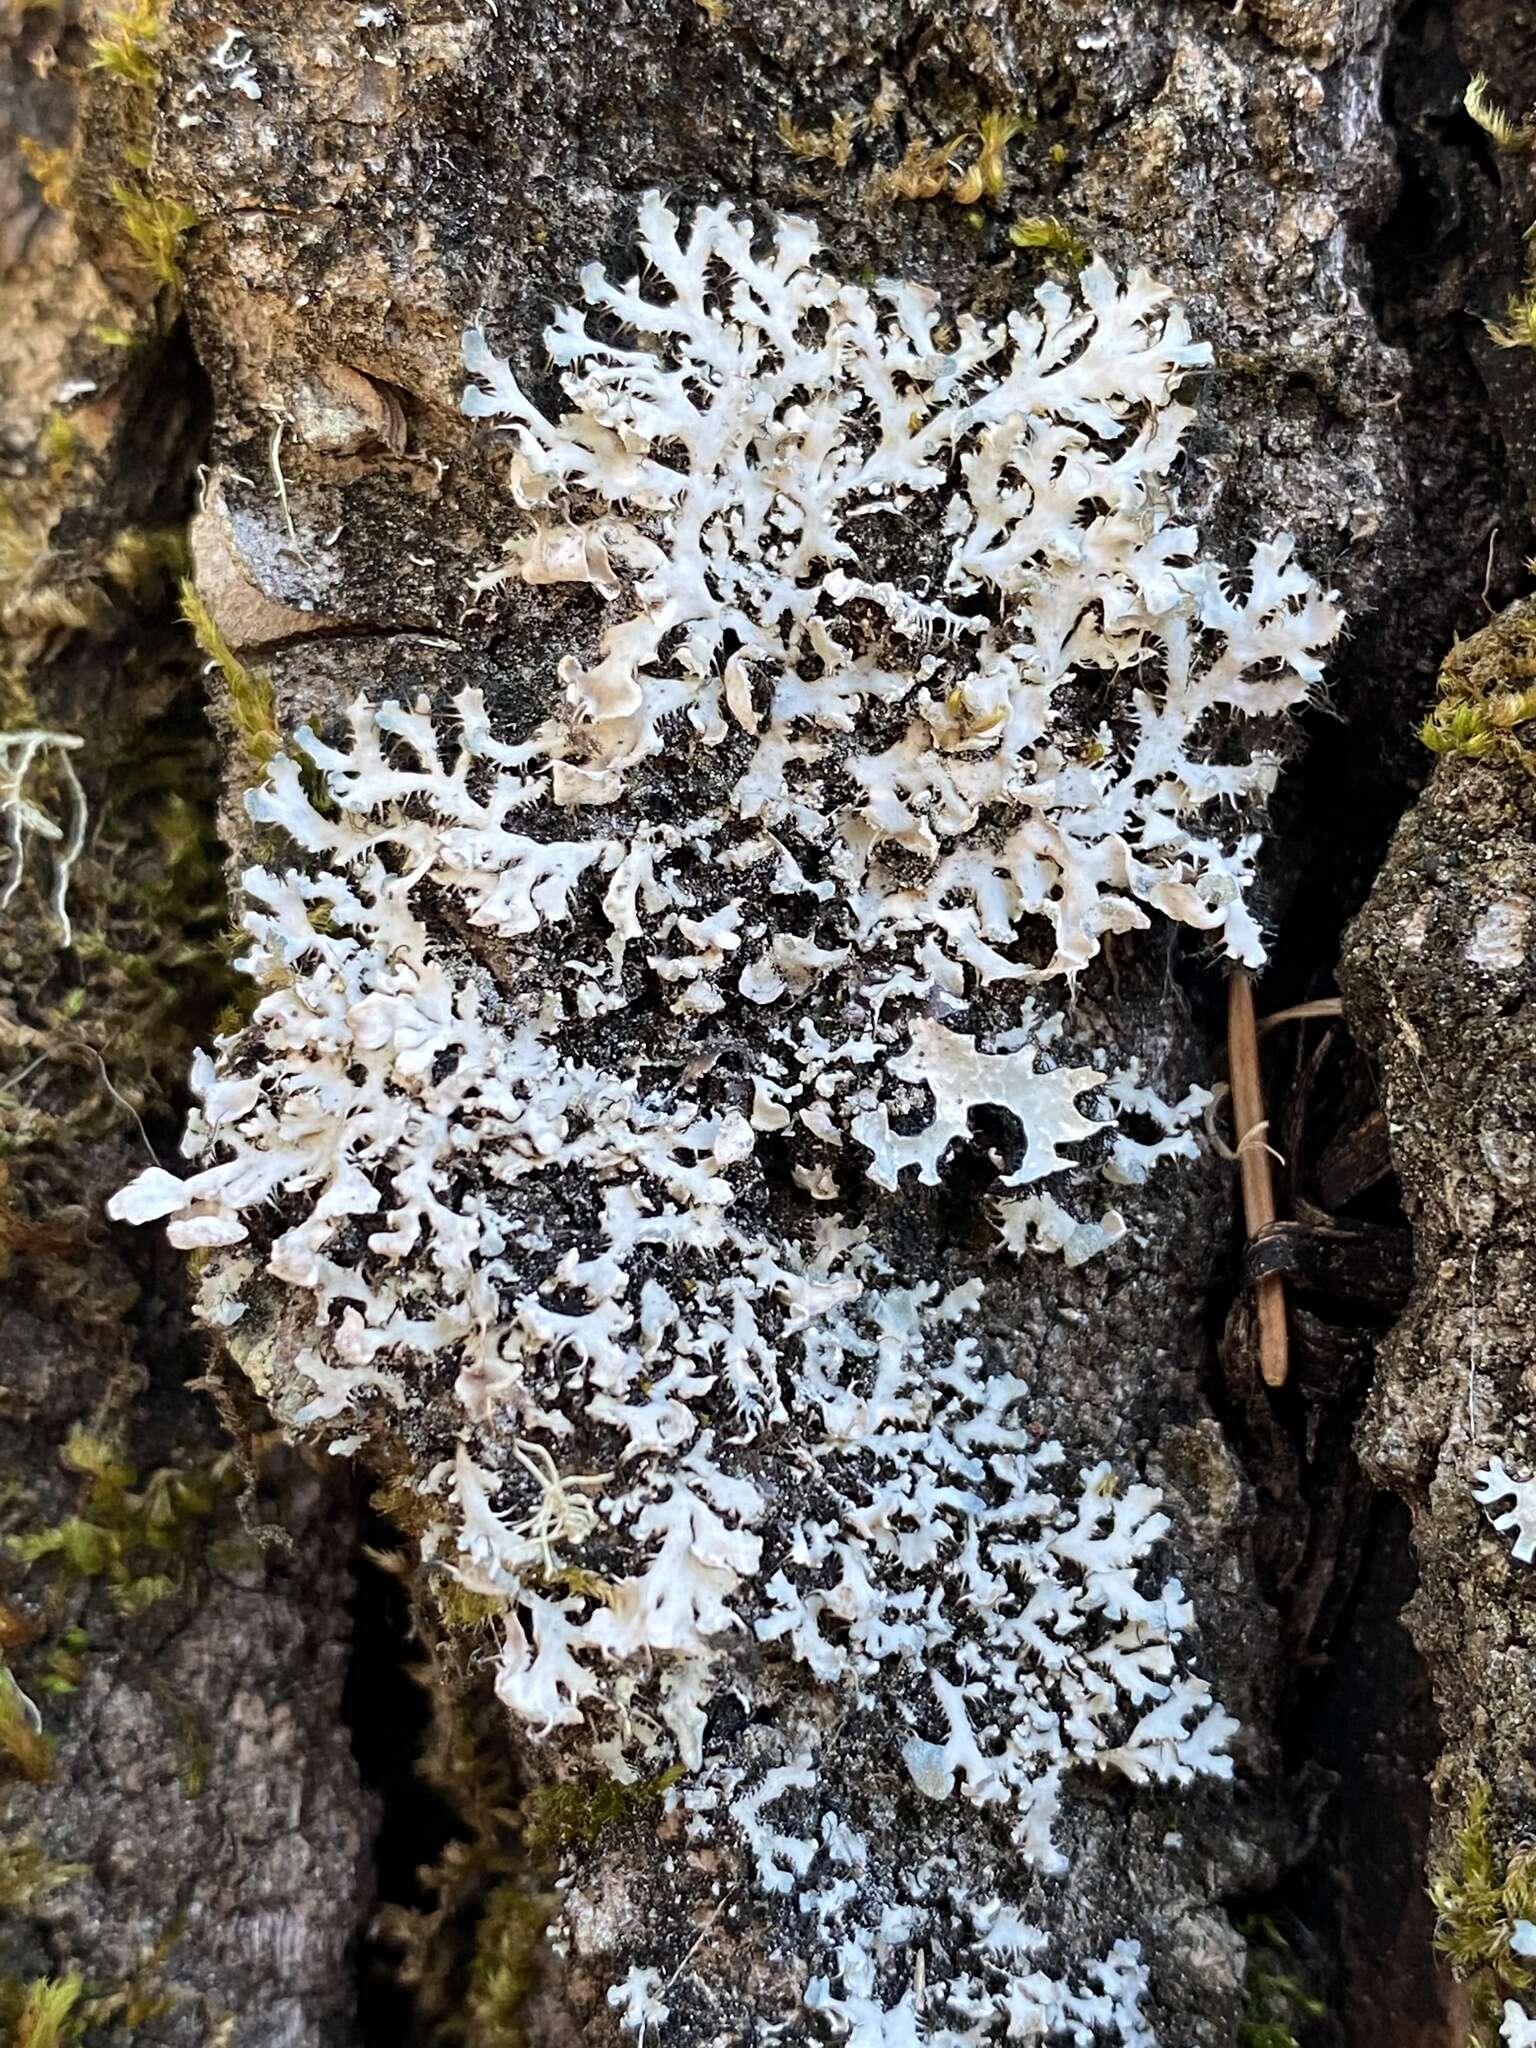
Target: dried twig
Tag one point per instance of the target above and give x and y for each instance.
(1257, 1175)
(1298, 1013)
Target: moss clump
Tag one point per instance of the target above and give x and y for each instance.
(52, 169)
(156, 226)
(60, 446)
(250, 698)
(505, 1969)
(1505, 131)
(970, 168)
(23, 1745)
(574, 1813)
(1487, 694)
(1275, 2001)
(1478, 1895)
(47, 2012)
(124, 45)
(1518, 327)
(458, 1608)
(1480, 728)
(28, 1873)
(51, 2011)
(987, 175)
(137, 1539)
(147, 564)
(834, 142)
(103, 1033)
(472, 1936)
(1045, 232)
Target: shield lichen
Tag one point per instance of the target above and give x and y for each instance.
(596, 1051)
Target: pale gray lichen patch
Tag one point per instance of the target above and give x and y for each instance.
(907, 687)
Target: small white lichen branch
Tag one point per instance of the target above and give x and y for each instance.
(1494, 1484)
(23, 752)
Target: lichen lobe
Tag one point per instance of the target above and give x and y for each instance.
(909, 688)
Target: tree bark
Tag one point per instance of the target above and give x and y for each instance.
(368, 182)
(185, 1840)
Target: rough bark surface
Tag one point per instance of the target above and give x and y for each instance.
(1437, 977)
(366, 183)
(395, 181)
(185, 1840)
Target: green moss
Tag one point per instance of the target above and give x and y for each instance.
(47, 2012)
(575, 1813)
(52, 170)
(1275, 2001)
(148, 564)
(987, 177)
(124, 44)
(250, 697)
(28, 1874)
(60, 446)
(834, 142)
(1045, 232)
(459, 1608)
(24, 1748)
(1478, 1894)
(156, 226)
(1492, 119)
(1518, 327)
(1487, 695)
(505, 1969)
(137, 1539)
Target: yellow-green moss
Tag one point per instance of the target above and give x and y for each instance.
(1492, 118)
(29, 1874)
(52, 169)
(148, 564)
(576, 1812)
(125, 42)
(504, 1969)
(47, 2012)
(251, 700)
(459, 1608)
(156, 226)
(1478, 1893)
(24, 1748)
(60, 446)
(834, 141)
(987, 175)
(1275, 2001)
(1045, 232)
(1487, 694)
(970, 167)
(137, 1539)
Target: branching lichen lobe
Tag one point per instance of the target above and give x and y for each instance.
(914, 690)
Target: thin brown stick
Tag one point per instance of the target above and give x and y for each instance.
(1324, 1006)
(1257, 1174)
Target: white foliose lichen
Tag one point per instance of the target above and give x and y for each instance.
(1494, 1485)
(912, 689)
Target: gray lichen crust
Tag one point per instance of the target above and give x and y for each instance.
(910, 688)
